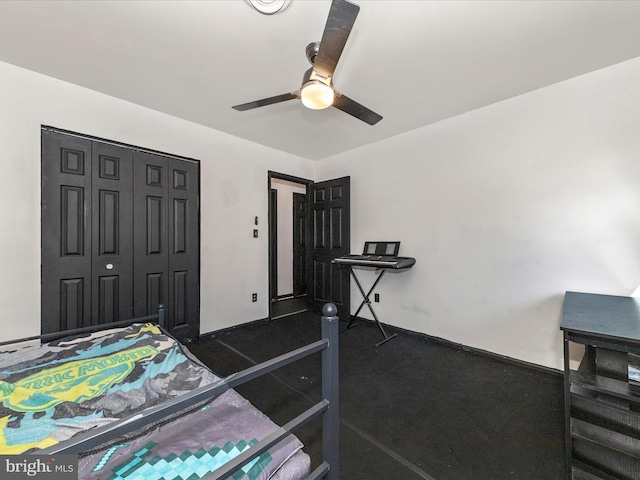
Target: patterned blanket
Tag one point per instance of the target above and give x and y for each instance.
(49, 393)
(191, 446)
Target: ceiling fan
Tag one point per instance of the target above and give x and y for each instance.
(317, 90)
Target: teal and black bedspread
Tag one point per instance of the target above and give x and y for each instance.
(48, 393)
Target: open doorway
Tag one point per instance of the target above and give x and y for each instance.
(288, 241)
(319, 233)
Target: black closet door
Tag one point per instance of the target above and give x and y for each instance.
(120, 235)
(111, 233)
(65, 232)
(167, 250)
(184, 249)
(151, 235)
(87, 221)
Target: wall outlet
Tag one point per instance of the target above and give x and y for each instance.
(254, 297)
(376, 297)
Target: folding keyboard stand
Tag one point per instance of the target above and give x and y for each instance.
(367, 302)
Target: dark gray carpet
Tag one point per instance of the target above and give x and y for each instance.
(289, 306)
(412, 408)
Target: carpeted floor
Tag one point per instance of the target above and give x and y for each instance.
(289, 306)
(412, 408)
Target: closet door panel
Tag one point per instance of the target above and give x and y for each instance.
(184, 248)
(112, 213)
(150, 237)
(66, 232)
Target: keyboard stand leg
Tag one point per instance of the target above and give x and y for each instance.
(350, 325)
(367, 302)
(352, 322)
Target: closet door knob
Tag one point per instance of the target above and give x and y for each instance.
(109, 266)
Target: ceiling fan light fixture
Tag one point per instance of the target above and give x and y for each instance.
(316, 95)
(316, 91)
(269, 7)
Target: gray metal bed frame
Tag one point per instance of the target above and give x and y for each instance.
(327, 407)
(159, 318)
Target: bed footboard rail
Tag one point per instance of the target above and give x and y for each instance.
(329, 469)
(327, 407)
(159, 318)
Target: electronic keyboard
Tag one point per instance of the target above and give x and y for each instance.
(380, 261)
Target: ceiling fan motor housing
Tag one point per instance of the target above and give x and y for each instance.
(312, 76)
(312, 52)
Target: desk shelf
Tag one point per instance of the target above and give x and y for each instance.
(605, 385)
(602, 408)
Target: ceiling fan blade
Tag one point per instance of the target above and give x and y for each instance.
(342, 16)
(266, 101)
(353, 108)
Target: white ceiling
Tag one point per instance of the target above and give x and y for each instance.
(414, 62)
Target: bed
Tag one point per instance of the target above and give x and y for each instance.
(133, 403)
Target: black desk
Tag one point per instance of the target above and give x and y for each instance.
(602, 405)
(381, 262)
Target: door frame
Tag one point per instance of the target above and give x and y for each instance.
(290, 178)
(273, 243)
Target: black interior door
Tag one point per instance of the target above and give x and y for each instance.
(330, 219)
(300, 222)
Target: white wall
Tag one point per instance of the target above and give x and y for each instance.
(285, 232)
(233, 192)
(506, 208)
